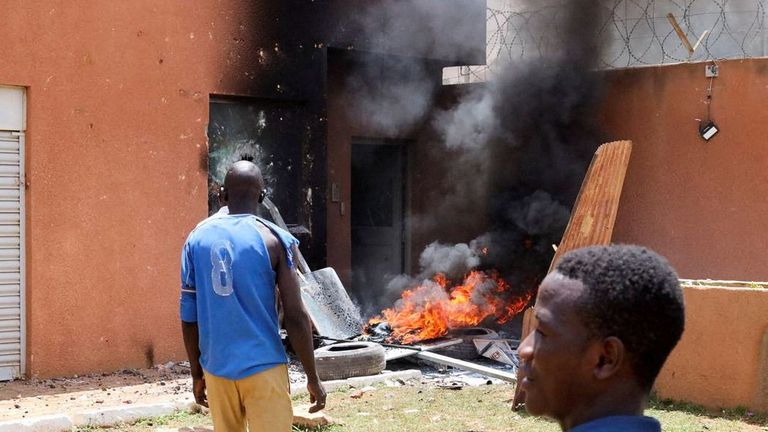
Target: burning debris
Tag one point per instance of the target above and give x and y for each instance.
(436, 306)
(519, 144)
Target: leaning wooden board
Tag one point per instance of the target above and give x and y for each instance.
(594, 212)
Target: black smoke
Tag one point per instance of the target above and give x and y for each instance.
(534, 130)
(520, 143)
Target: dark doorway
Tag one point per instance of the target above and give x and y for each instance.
(377, 208)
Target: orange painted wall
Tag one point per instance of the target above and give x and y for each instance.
(720, 360)
(117, 114)
(118, 97)
(701, 204)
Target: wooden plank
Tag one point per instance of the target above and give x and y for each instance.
(465, 365)
(594, 212)
(680, 33)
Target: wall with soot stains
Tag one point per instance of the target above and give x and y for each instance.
(116, 165)
(347, 123)
(118, 106)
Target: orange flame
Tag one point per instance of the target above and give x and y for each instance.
(431, 309)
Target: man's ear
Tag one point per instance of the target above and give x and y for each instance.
(611, 358)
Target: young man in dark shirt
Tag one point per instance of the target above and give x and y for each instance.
(606, 320)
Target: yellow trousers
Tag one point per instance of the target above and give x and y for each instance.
(263, 400)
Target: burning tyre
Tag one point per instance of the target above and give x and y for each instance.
(347, 360)
(439, 305)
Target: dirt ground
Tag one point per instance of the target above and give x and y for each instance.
(163, 383)
(27, 398)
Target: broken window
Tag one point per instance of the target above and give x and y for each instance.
(270, 134)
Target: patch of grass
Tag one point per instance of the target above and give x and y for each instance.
(395, 409)
(177, 419)
(666, 408)
(486, 408)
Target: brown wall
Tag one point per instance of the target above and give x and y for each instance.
(723, 355)
(116, 147)
(118, 96)
(701, 204)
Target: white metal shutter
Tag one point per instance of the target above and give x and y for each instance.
(11, 255)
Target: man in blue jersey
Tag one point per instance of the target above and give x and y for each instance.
(606, 320)
(230, 265)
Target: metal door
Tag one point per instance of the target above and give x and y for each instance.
(12, 314)
(377, 218)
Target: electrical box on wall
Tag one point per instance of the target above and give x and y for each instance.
(709, 130)
(711, 71)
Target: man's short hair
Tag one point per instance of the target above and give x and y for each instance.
(631, 293)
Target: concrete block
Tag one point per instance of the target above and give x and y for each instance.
(359, 382)
(303, 418)
(719, 320)
(185, 429)
(128, 413)
(53, 423)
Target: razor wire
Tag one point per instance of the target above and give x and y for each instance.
(630, 33)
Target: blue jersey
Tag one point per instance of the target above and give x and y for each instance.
(620, 424)
(228, 288)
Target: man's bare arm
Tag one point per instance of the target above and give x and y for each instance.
(299, 329)
(192, 345)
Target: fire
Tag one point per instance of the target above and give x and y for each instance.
(433, 308)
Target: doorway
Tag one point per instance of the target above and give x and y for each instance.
(377, 218)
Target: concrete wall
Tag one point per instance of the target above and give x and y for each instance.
(118, 96)
(633, 33)
(722, 359)
(701, 204)
(116, 156)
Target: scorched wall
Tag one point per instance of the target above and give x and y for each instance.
(116, 162)
(117, 110)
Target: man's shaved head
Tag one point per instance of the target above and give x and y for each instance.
(243, 184)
